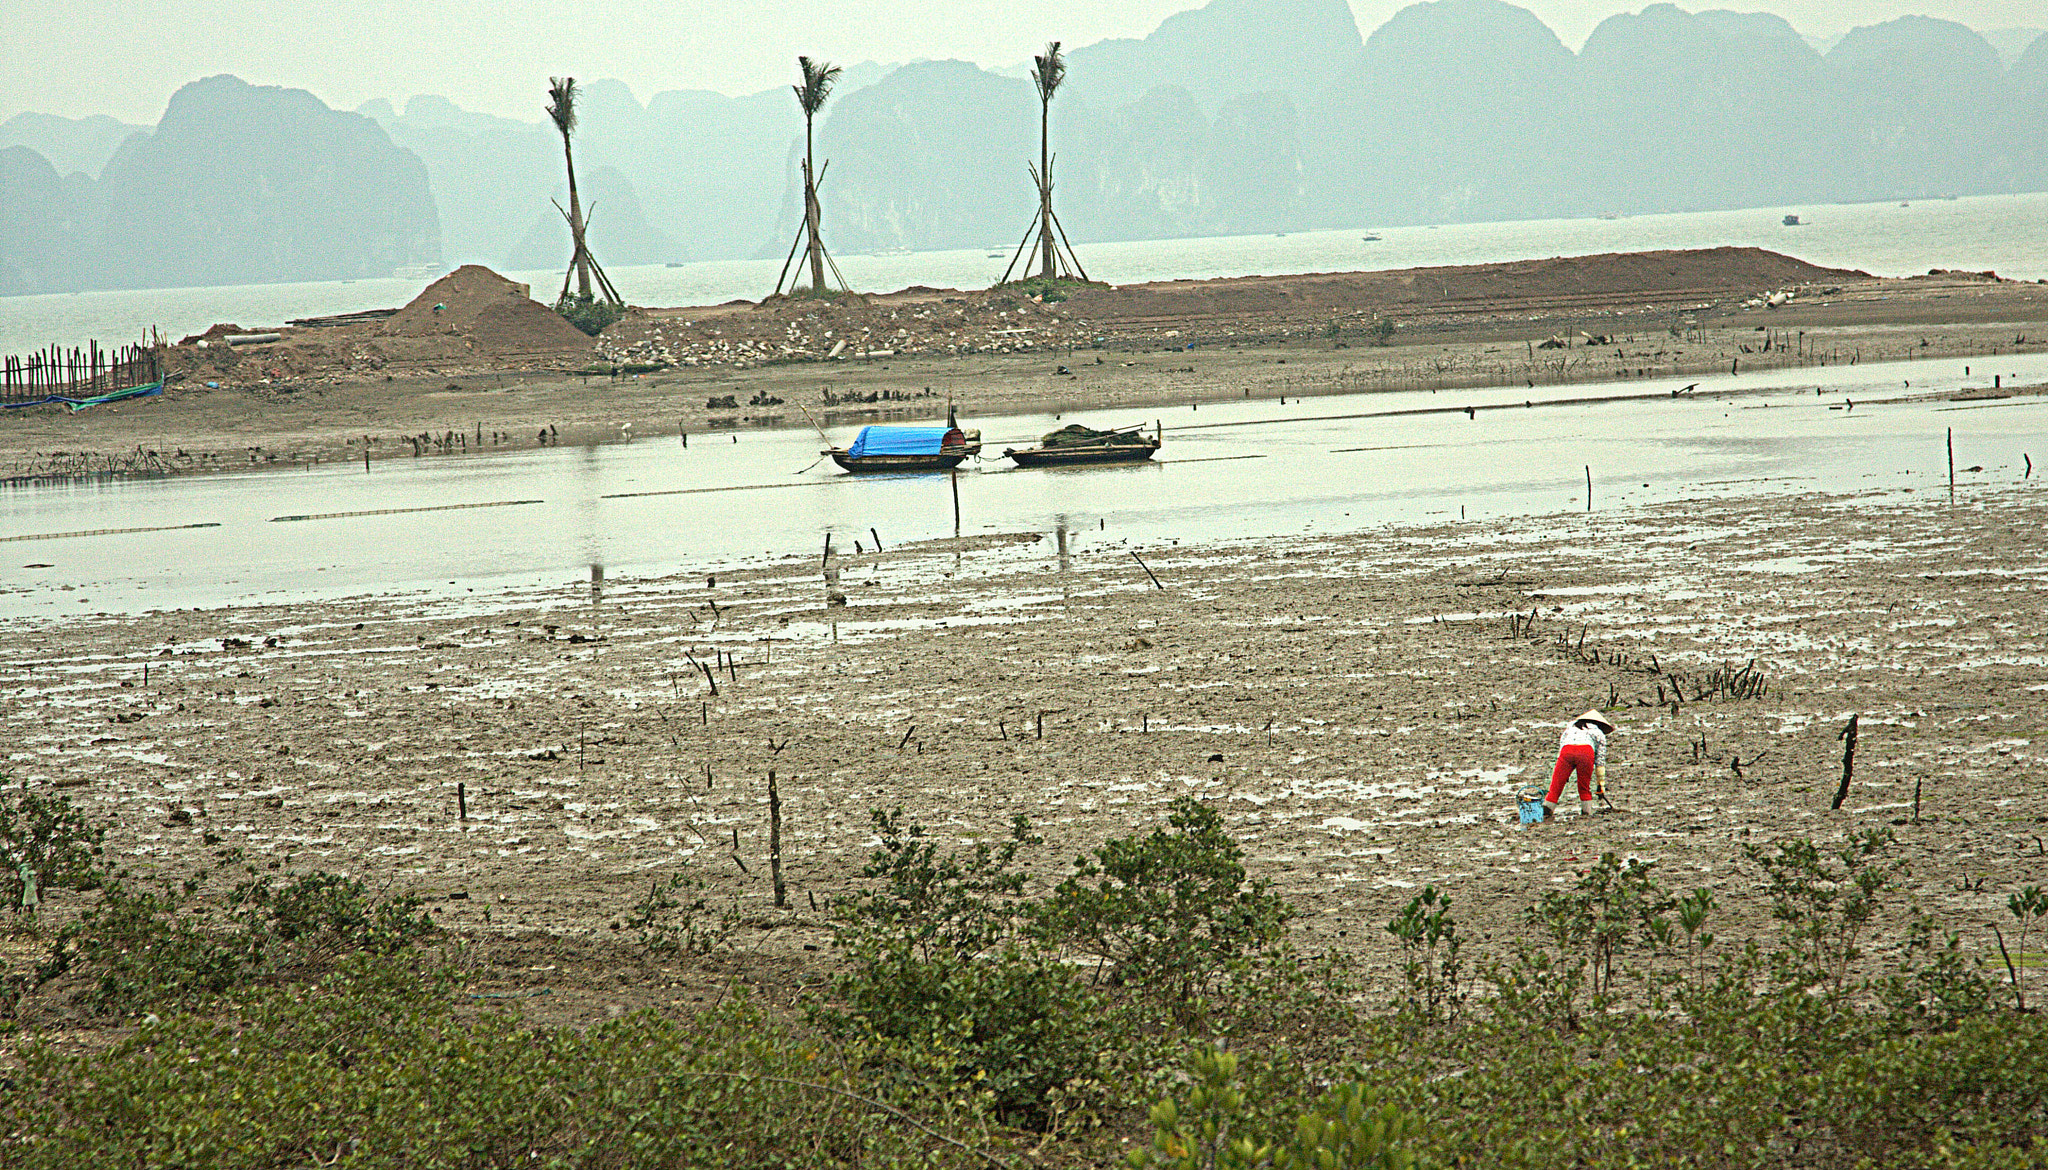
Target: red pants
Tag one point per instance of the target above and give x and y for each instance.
(1572, 758)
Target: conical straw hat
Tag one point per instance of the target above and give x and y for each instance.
(1594, 716)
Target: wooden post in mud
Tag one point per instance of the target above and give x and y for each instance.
(1848, 738)
(955, 476)
(775, 842)
(1951, 465)
(461, 801)
(1589, 487)
(1147, 568)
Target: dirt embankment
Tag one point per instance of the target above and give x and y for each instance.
(470, 318)
(1185, 313)
(474, 321)
(491, 368)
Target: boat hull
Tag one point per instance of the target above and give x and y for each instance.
(1082, 456)
(942, 461)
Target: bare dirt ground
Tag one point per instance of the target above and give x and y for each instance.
(1359, 708)
(492, 371)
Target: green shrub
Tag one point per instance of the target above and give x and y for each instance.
(675, 917)
(591, 316)
(1615, 906)
(1015, 1029)
(319, 915)
(1936, 986)
(1537, 988)
(938, 984)
(1974, 1095)
(1349, 1128)
(372, 1067)
(1430, 950)
(937, 904)
(142, 954)
(1825, 901)
(47, 840)
(151, 950)
(2030, 907)
(1048, 290)
(1169, 911)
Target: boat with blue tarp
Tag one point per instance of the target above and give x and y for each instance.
(934, 448)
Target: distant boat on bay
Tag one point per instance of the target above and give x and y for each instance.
(1790, 221)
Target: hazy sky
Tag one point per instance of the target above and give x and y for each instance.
(124, 59)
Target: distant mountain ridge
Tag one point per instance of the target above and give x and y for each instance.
(1238, 116)
(71, 145)
(238, 184)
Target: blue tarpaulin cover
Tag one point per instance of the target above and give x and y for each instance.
(78, 404)
(904, 440)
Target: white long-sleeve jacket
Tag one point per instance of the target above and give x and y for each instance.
(1588, 734)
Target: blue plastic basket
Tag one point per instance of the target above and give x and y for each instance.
(1529, 802)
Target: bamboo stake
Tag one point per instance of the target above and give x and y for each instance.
(775, 842)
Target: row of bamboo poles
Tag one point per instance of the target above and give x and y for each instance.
(79, 373)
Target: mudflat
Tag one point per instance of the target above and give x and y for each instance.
(1361, 710)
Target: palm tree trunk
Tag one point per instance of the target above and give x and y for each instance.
(1045, 252)
(580, 258)
(811, 216)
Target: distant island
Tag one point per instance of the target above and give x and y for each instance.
(237, 184)
(1242, 116)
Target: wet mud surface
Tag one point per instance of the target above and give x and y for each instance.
(1360, 708)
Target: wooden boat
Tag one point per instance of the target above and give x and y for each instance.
(906, 449)
(1075, 445)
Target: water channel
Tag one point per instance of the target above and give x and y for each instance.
(494, 522)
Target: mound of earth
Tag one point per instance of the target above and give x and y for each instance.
(922, 320)
(498, 315)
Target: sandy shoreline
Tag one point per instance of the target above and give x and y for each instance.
(1360, 708)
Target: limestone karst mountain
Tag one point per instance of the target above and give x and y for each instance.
(1237, 116)
(237, 184)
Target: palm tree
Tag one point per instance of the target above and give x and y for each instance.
(1047, 72)
(562, 110)
(1055, 251)
(817, 85)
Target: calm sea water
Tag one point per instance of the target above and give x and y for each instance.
(2005, 233)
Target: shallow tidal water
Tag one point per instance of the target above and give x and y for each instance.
(489, 523)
